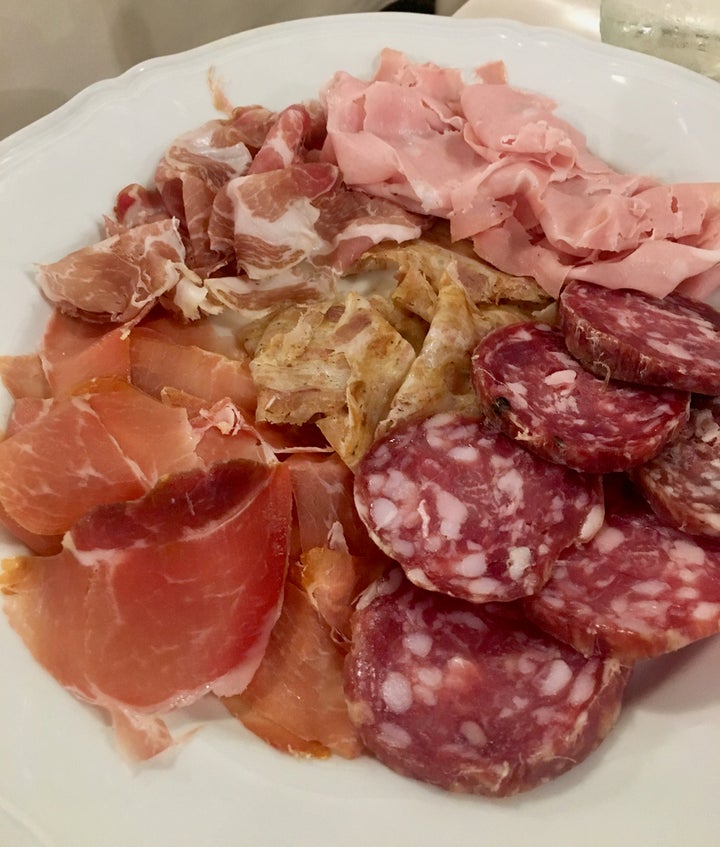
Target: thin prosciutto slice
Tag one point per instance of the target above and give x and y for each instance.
(158, 362)
(74, 352)
(118, 279)
(295, 701)
(188, 177)
(88, 450)
(151, 604)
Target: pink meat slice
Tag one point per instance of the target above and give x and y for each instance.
(682, 484)
(534, 391)
(88, 450)
(158, 362)
(638, 589)
(473, 698)
(672, 341)
(325, 506)
(152, 604)
(268, 219)
(467, 512)
(74, 352)
(191, 172)
(507, 171)
(117, 279)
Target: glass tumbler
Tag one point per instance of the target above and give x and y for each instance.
(686, 32)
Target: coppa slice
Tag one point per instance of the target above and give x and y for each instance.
(682, 484)
(537, 393)
(153, 603)
(672, 341)
(472, 698)
(638, 589)
(468, 512)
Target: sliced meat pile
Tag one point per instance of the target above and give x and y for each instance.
(364, 407)
(462, 509)
(507, 172)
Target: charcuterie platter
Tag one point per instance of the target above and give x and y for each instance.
(200, 775)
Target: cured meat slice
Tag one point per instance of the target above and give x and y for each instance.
(88, 450)
(295, 701)
(285, 140)
(136, 205)
(324, 503)
(638, 589)
(532, 389)
(192, 170)
(672, 341)
(468, 512)
(157, 362)
(119, 278)
(473, 698)
(23, 376)
(269, 218)
(74, 352)
(334, 579)
(153, 603)
(682, 484)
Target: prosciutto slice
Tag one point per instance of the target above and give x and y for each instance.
(87, 450)
(153, 603)
(118, 279)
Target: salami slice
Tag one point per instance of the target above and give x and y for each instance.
(638, 589)
(472, 698)
(467, 512)
(534, 391)
(627, 335)
(682, 485)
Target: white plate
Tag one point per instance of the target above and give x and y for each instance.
(654, 782)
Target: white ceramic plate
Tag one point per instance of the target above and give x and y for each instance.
(654, 782)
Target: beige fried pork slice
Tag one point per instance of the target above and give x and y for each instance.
(439, 379)
(424, 260)
(337, 363)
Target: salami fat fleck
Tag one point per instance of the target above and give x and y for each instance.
(638, 589)
(472, 698)
(533, 390)
(468, 512)
(682, 485)
(627, 335)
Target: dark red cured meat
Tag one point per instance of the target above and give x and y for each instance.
(638, 589)
(628, 335)
(532, 389)
(153, 603)
(473, 698)
(468, 512)
(682, 484)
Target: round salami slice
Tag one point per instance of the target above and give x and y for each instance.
(638, 589)
(682, 484)
(532, 389)
(628, 335)
(472, 698)
(467, 512)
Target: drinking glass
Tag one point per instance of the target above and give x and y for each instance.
(686, 32)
